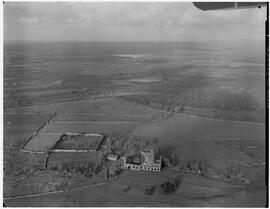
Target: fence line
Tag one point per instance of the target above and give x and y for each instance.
(46, 161)
(72, 150)
(116, 122)
(32, 152)
(109, 114)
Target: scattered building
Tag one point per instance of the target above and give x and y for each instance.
(144, 161)
(112, 157)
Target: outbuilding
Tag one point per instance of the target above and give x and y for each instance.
(112, 157)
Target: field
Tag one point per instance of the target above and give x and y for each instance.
(42, 142)
(81, 142)
(115, 129)
(189, 141)
(253, 148)
(183, 126)
(203, 152)
(75, 117)
(86, 164)
(129, 190)
(226, 115)
(96, 120)
(46, 182)
(146, 80)
(19, 127)
(20, 164)
(88, 117)
(62, 158)
(111, 106)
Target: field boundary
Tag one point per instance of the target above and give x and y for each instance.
(33, 152)
(109, 114)
(56, 150)
(71, 150)
(53, 149)
(89, 122)
(46, 161)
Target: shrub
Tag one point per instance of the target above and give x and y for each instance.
(150, 191)
(169, 186)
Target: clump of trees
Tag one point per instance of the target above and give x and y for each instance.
(150, 190)
(85, 169)
(133, 144)
(136, 144)
(198, 167)
(18, 164)
(232, 172)
(169, 186)
(115, 169)
(80, 167)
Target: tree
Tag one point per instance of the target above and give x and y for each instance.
(170, 186)
(150, 191)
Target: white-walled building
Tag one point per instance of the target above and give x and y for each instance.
(144, 161)
(112, 157)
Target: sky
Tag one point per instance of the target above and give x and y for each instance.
(128, 21)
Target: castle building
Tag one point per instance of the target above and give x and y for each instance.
(144, 161)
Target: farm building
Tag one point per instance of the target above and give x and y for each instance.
(112, 157)
(144, 161)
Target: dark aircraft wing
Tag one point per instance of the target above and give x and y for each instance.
(228, 5)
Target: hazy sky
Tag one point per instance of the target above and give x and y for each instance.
(127, 21)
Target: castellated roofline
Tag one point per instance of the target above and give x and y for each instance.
(145, 161)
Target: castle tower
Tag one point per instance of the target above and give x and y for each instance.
(147, 158)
